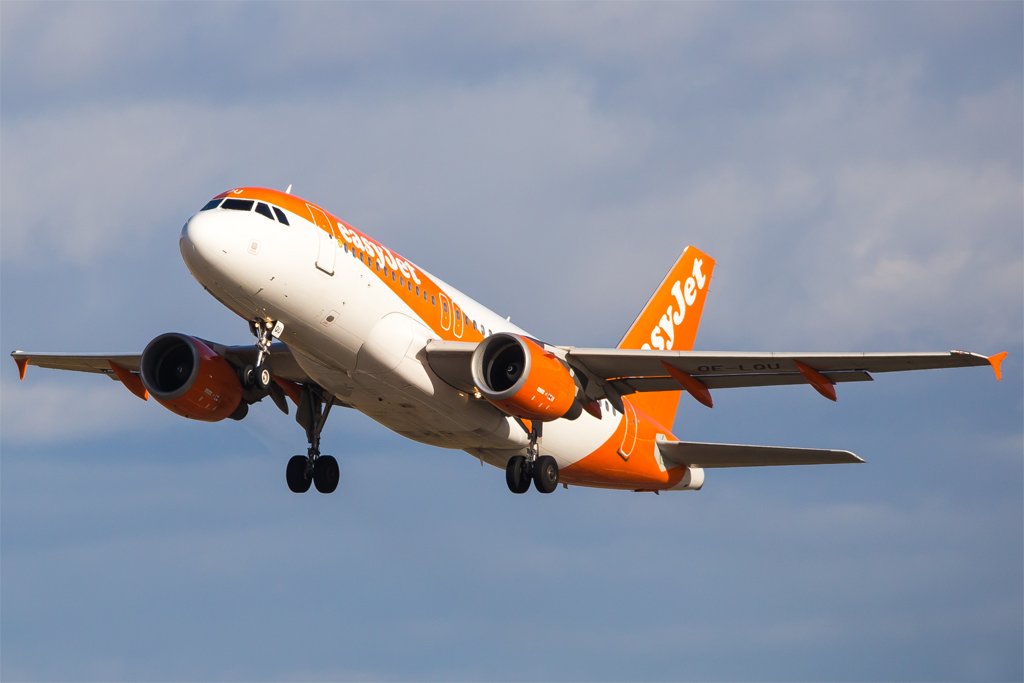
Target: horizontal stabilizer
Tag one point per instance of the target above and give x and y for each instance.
(712, 455)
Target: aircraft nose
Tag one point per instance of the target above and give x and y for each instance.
(204, 243)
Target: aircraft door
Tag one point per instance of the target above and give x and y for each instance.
(630, 434)
(446, 312)
(327, 240)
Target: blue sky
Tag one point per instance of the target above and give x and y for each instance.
(855, 169)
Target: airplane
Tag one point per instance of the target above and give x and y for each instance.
(341, 320)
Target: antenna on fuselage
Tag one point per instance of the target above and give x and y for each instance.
(289, 190)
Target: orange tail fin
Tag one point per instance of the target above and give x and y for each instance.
(669, 321)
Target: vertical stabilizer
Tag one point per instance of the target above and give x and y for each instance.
(669, 322)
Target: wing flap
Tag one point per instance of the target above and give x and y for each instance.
(628, 385)
(718, 455)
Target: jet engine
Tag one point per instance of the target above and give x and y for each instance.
(189, 378)
(521, 378)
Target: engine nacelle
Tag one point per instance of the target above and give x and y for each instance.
(518, 376)
(189, 378)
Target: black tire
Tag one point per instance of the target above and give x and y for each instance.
(295, 473)
(517, 474)
(326, 474)
(545, 474)
(262, 378)
(248, 376)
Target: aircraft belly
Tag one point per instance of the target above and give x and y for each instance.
(569, 441)
(386, 380)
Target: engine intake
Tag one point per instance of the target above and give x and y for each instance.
(189, 378)
(518, 376)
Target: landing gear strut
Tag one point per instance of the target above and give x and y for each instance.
(542, 470)
(258, 374)
(320, 470)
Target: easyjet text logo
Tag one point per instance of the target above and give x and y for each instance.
(684, 293)
(382, 254)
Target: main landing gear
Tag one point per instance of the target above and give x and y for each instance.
(542, 470)
(320, 470)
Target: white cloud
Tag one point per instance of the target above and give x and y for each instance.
(50, 411)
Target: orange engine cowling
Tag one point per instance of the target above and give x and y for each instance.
(189, 378)
(518, 376)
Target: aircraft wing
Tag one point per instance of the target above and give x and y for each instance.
(629, 371)
(282, 362)
(613, 373)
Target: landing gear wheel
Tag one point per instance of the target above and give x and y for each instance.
(262, 378)
(248, 377)
(517, 474)
(256, 376)
(313, 468)
(298, 480)
(326, 474)
(545, 474)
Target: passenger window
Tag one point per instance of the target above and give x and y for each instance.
(458, 314)
(444, 305)
(433, 302)
(264, 210)
(238, 204)
(212, 204)
(280, 215)
(417, 291)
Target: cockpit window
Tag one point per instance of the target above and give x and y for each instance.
(238, 204)
(264, 210)
(280, 215)
(212, 204)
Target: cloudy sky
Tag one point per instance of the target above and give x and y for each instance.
(856, 169)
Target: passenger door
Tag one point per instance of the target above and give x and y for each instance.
(327, 240)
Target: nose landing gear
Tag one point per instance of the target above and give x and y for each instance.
(258, 374)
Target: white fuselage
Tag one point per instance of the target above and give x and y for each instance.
(360, 338)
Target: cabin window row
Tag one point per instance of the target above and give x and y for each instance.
(373, 262)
